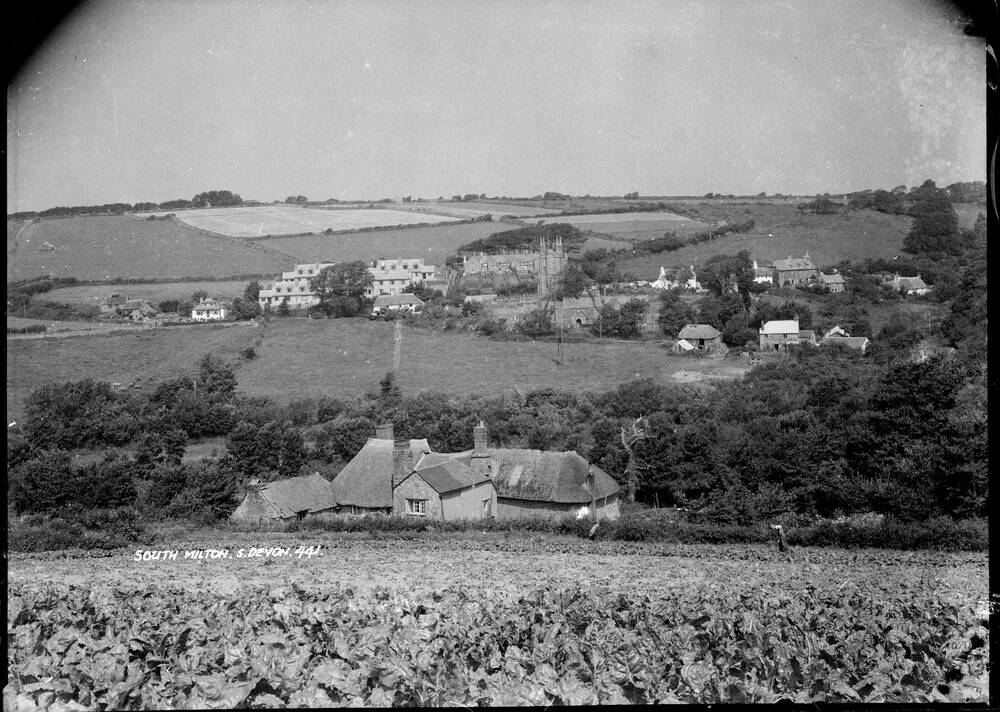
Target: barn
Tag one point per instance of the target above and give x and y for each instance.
(445, 490)
(284, 500)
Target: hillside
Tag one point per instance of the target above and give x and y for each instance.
(105, 247)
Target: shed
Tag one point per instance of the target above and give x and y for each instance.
(295, 497)
(701, 336)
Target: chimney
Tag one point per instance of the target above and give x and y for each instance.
(384, 431)
(479, 440)
(400, 461)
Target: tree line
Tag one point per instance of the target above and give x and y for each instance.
(216, 198)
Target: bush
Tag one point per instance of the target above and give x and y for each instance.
(75, 528)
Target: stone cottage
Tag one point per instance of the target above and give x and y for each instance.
(284, 500)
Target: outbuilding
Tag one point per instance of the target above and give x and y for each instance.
(703, 337)
(285, 500)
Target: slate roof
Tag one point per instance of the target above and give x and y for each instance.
(807, 334)
(699, 331)
(836, 278)
(366, 481)
(780, 326)
(793, 263)
(387, 300)
(296, 494)
(546, 476)
(448, 475)
(854, 342)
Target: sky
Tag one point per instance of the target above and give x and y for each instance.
(154, 100)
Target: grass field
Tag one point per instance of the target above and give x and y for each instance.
(148, 357)
(105, 247)
(64, 327)
(433, 243)
(153, 292)
(306, 358)
(467, 210)
(256, 221)
(781, 230)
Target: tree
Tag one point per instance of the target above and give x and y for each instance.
(624, 322)
(341, 288)
(252, 291)
(573, 282)
(630, 435)
(723, 274)
(216, 198)
(935, 223)
(674, 313)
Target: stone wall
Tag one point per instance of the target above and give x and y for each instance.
(413, 487)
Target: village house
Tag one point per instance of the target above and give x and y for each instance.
(293, 288)
(137, 310)
(834, 282)
(703, 337)
(286, 500)
(910, 286)
(837, 336)
(110, 306)
(209, 310)
(386, 304)
(763, 275)
(443, 489)
(405, 478)
(393, 276)
(794, 270)
(777, 335)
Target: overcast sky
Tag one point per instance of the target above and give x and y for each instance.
(155, 100)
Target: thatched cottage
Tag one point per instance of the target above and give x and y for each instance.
(285, 500)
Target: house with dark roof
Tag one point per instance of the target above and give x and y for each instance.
(285, 500)
(443, 489)
(704, 337)
(793, 271)
(397, 304)
(834, 282)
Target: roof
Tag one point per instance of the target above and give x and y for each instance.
(794, 263)
(684, 345)
(547, 476)
(909, 283)
(386, 300)
(297, 494)
(836, 278)
(807, 334)
(448, 475)
(699, 331)
(366, 481)
(780, 326)
(855, 342)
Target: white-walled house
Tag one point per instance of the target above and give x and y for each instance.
(209, 310)
(391, 277)
(293, 287)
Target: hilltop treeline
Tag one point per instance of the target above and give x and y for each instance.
(526, 238)
(214, 198)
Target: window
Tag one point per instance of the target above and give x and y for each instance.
(487, 509)
(416, 506)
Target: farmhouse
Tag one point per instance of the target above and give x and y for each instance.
(834, 282)
(366, 483)
(111, 305)
(208, 310)
(293, 287)
(393, 276)
(794, 271)
(910, 286)
(445, 490)
(703, 337)
(397, 304)
(284, 500)
(779, 334)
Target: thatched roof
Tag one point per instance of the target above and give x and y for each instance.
(448, 475)
(699, 331)
(297, 494)
(546, 476)
(366, 481)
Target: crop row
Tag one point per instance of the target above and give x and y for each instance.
(167, 648)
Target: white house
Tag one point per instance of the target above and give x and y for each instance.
(763, 275)
(209, 310)
(293, 287)
(908, 285)
(397, 304)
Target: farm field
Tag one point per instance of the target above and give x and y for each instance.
(301, 358)
(615, 218)
(258, 221)
(494, 619)
(152, 292)
(781, 230)
(467, 210)
(105, 247)
(68, 327)
(433, 243)
(147, 357)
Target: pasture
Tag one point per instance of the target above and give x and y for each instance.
(105, 247)
(432, 243)
(146, 357)
(466, 210)
(152, 292)
(781, 230)
(263, 220)
(302, 358)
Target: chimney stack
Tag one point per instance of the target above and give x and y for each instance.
(384, 431)
(479, 440)
(400, 460)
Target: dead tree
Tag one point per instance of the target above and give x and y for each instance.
(630, 436)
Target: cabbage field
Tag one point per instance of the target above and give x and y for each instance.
(612, 622)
